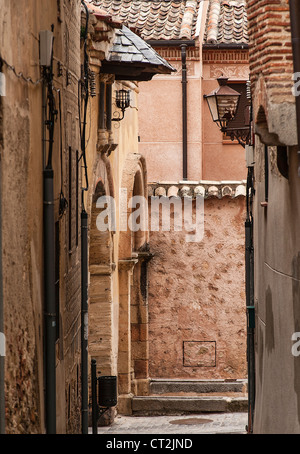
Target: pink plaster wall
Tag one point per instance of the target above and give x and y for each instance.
(160, 128)
(160, 131)
(196, 293)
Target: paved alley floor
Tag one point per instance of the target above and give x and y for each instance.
(217, 423)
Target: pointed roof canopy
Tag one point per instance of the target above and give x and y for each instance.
(132, 58)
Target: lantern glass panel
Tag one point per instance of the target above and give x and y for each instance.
(227, 106)
(123, 99)
(212, 104)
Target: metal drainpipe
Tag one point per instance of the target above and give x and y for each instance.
(49, 295)
(49, 259)
(2, 336)
(183, 45)
(250, 320)
(84, 321)
(295, 30)
(84, 254)
(184, 111)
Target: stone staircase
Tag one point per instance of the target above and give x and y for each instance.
(179, 397)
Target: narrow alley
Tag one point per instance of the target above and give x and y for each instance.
(149, 211)
(206, 423)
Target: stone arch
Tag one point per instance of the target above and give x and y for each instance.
(262, 128)
(102, 319)
(133, 303)
(133, 182)
(100, 241)
(275, 124)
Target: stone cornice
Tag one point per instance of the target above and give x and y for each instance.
(127, 264)
(206, 189)
(102, 270)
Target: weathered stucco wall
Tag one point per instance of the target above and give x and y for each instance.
(277, 277)
(276, 224)
(197, 321)
(22, 222)
(160, 124)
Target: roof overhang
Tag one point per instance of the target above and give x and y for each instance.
(132, 58)
(130, 71)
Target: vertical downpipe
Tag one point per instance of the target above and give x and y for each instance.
(295, 30)
(84, 320)
(2, 336)
(84, 254)
(49, 292)
(184, 111)
(94, 397)
(250, 323)
(249, 278)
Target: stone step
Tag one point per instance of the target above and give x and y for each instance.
(180, 405)
(164, 386)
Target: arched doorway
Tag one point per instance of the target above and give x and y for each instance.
(102, 313)
(133, 301)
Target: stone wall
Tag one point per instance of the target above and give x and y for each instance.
(197, 320)
(22, 224)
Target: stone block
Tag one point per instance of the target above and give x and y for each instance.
(139, 350)
(124, 383)
(124, 362)
(141, 368)
(124, 406)
(143, 387)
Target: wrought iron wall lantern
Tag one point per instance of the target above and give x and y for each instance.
(223, 104)
(122, 102)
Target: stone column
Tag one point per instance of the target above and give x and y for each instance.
(101, 337)
(140, 326)
(124, 358)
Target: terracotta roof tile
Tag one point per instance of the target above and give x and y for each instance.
(227, 22)
(166, 19)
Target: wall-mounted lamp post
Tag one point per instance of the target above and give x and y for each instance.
(223, 104)
(122, 102)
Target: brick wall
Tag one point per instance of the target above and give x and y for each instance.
(270, 52)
